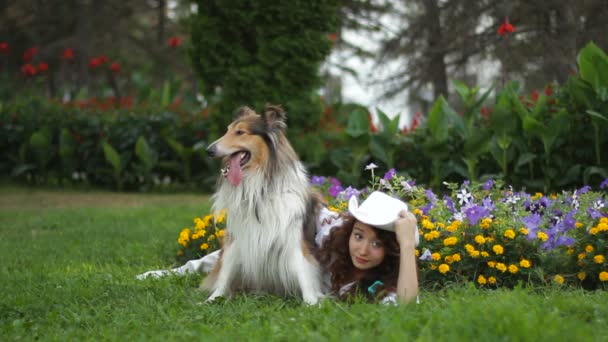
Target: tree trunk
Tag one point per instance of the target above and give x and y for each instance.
(436, 50)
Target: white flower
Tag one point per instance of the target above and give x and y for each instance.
(426, 255)
(371, 166)
(75, 175)
(458, 217)
(406, 186)
(599, 204)
(464, 197)
(513, 199)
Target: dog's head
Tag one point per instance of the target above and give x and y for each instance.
(251, 141)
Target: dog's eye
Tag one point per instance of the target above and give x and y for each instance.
(240, 132)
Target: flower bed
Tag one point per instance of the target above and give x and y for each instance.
(485, 233)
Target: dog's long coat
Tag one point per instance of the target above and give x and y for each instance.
(271, 212)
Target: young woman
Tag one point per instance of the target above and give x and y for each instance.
(368, 251)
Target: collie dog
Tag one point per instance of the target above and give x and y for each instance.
(271, 212)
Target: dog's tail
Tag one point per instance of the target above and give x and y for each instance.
(313, 207)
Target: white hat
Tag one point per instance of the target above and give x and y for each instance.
(378, 210)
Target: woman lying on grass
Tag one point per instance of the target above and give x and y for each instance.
(367, 251)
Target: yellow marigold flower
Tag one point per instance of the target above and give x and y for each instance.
(602, 226)
(456, 257)
(525, 263)
(424, 217)
(417, 211)
(194, 236)
(469, 248)
(603, 276)
(443, 268)
(558, 279)
(523, 230)
(510, 234)
(451, 228)
(428, 237)
(498, 249)
(484, 225)
(451, 241)
(427, 224)
(578, 224)
(448, 259)
(474, 254)
(588, 248)
(542, 236)
(581, 276)
(485, 254)
(486, 222)
(435, 234)
(207, 219)
(501, 267)
(334, 209)
(440, 225)
(211, 237)
(417, 252)
(480, 239)
(604, 220)
(204, 246)
(343, 205)
(433, 267)
(489, 239)
(569, 251)
(594, 231)
(537, 196)
(492, 280)
(436, 256)
(220, 233)
(221, 216)
(491, 264)
(481, 280)
(598, 259)
(581, 256)
(513, 269)
(553, 196)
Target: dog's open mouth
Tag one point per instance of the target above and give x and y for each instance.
(234, 166)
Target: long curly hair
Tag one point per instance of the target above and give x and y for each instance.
(335, 257)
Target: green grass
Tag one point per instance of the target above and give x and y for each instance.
(68, 262)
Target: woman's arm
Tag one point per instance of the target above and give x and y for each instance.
(407, 283)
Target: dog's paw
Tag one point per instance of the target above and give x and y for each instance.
(312, 300)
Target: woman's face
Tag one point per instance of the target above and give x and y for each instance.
(366, 249)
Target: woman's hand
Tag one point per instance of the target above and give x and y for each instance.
(405, 229)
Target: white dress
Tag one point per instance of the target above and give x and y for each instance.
(326, 221)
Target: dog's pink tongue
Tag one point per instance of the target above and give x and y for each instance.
(235, 176)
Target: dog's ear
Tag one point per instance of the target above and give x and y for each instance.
(244, 111)
(274, 117)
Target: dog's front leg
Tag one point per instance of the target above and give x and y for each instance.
(225, 276)
(309, 279)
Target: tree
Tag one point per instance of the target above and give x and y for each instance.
(252, 52)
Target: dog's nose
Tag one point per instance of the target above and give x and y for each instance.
(212, 150)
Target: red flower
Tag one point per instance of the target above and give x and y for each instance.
(506, 28)
(102, 59)
(535, 95)
(43, 67)
(28, 70)
(174, 41)
(94, 63)
(68, 54)
(372, 127)
(4, 48)
(115, 68)
(333, 37)
(548, 90)
(29, 54)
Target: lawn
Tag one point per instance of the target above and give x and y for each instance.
(69, 260)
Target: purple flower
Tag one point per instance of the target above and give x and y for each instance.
(431, 196)
(604, 184)
(317, 180)
(594, 214)
(390, 174)
(474, 213)
(449, 203)
(349, 192)
(569, 221)
(466, 183)
(532, 222)
(487, 203)
(583, 190)
(334, 181)
(488, 185)
(335, 190)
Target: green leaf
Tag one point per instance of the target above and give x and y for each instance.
(524, 159)
(166, 94)
(461, 89)
(438, 121)
(145, 153)
(533, 127)
(596, 115)
(593, 66)
(378, 151)
(570, 176)
(594, 170)
(358, 123)
(112, 157)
